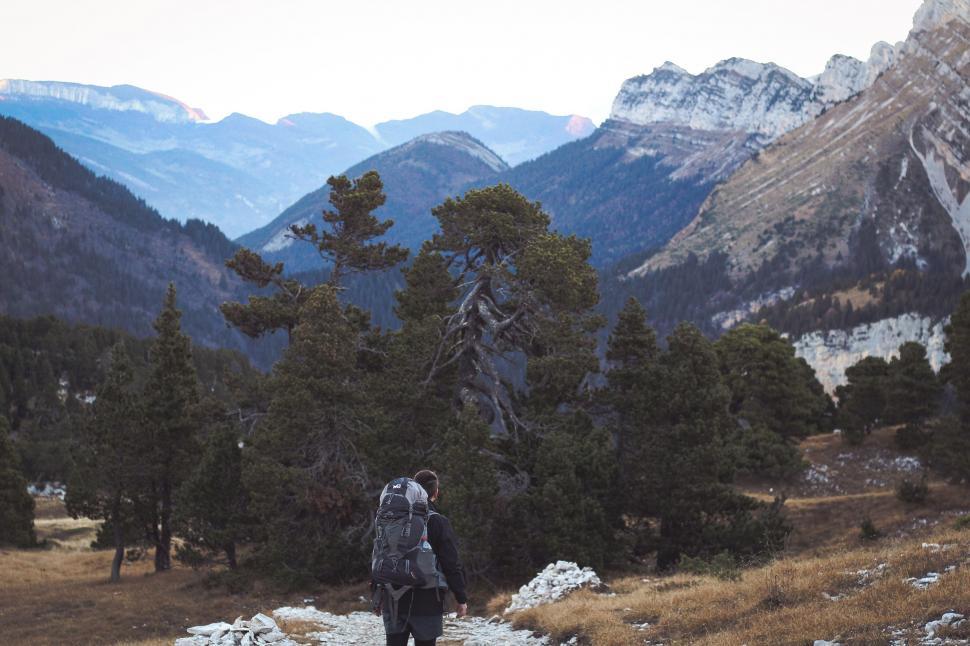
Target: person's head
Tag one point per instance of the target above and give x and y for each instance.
(429, 480)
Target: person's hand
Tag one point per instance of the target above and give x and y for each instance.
(462, 609)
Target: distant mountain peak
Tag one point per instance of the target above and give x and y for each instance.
(119, 98)
(464, 142)
(734, 95)
(673, 68)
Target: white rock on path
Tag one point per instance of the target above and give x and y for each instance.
(553, 583)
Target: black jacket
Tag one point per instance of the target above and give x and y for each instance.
(445, 546)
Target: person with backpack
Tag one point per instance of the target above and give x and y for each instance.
(415, 562)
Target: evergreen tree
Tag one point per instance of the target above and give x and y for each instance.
(211, 505)
(950, 450)
(775, 398)
(305, 470)
(346, 246)
(16, 505)
(470, 491)
(576, 502)
(683, 468)
(264, 314)
(913, 390)
(171, 397)
(515, 276)
(862, 401)
(632, 353)
(108, 478)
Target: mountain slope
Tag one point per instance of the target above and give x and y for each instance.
(850, 233)
(893, 160)
(417, 176)
(671, 136)
(85, 250)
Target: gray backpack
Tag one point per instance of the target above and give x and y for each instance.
(402, 558)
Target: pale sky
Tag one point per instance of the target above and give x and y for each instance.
(372, 60)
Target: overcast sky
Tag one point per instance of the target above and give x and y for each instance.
(371, 60)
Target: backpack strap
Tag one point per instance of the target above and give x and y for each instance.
(393, 600)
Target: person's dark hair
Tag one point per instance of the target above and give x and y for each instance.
(429, 480)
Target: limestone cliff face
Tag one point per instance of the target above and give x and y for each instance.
(894, 158)
(830, 353)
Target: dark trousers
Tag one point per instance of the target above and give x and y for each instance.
(401, 639)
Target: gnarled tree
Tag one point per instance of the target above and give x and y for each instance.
(515, 279)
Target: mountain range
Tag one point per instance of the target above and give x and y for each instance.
(834, 207)
(239, 173)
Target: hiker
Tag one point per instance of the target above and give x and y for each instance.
(415, 610)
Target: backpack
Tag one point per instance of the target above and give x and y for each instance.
(402, 558)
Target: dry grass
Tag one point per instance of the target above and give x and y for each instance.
(61, 596)
(782, 603)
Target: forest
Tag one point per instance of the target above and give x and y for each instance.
(548, 446)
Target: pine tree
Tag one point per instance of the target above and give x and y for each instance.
(576, 499)
(108, 478)
(16, 505)
(775, 399)
(346, 246)
(862, 401)
(950, 449)
(211, 513)
(171, 394)
(264, 314)
(913, 390)
(516, 277)
(632, 353)
(683, 466)
(470, 490)
(305, 470)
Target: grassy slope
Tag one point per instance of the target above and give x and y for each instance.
(783, 602)
(61, 595)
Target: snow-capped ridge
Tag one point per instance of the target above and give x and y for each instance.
(119, 98)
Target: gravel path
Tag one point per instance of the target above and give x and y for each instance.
(366, 629)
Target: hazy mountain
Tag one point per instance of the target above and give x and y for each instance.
(417, 175)
(239, 173)
(515, 135)
(86, 250)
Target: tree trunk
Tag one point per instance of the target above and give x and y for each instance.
(119, 540)
(667, 552)
(230, 549)
(163, 546)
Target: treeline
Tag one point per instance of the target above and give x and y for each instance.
(493, 379)
(697, 289)
(49, 370)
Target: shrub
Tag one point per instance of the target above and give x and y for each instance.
(721, 566)
(912, 492)
(910, 437)
(963, 522)
(868, 530)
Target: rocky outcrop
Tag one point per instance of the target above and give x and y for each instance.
(553, 583)
(830, 353)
